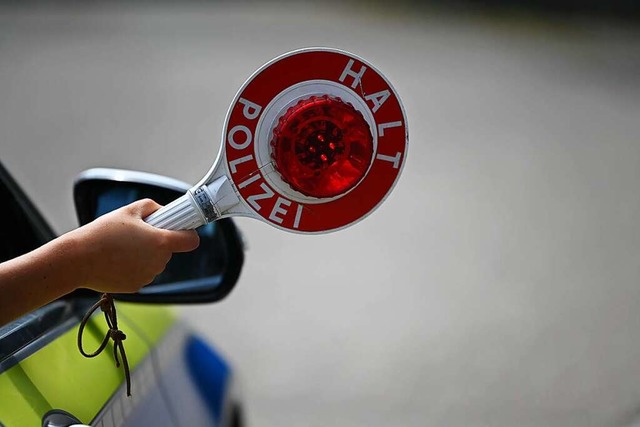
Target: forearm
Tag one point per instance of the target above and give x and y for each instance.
(117, 252)
(39, 277)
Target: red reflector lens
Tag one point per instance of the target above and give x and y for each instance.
(322, 146)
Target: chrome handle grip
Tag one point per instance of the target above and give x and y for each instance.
(181, 214)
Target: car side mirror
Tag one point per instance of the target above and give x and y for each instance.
(206, 274)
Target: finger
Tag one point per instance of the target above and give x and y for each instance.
(183, 240)
(143, 208)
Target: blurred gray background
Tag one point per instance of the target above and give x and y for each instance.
(497, 286)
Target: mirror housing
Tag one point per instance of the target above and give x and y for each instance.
(207, 274)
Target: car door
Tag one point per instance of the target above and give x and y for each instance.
(44, 380)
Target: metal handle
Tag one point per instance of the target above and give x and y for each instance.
(181, 214)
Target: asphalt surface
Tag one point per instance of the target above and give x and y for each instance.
(497, 286)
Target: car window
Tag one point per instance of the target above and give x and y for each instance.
(23, 229)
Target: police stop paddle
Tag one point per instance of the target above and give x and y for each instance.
(313, 142)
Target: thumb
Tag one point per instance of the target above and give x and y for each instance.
(179, 240)
(143, 208)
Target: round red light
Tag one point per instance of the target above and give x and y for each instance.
(322, 146)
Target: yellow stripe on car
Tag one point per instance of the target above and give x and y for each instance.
(21, 404)
(59, 377)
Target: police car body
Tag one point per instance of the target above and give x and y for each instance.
(178, 379)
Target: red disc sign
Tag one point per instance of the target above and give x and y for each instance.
(272, 93)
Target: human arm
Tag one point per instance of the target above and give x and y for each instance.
(117, 252)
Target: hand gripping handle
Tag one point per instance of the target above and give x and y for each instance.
(181, 214)
(200, 205)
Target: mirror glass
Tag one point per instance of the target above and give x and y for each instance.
(195, 271)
